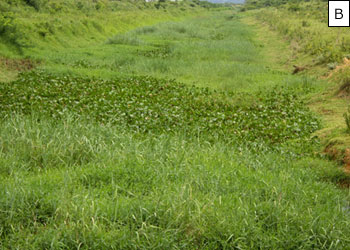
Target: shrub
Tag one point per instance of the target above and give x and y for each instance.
(36, 4)
(9, 31)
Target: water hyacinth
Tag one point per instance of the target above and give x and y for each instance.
(148, 104)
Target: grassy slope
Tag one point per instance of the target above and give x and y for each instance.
(76, 184)
(309, 42)
(45, 35)
(205, 51)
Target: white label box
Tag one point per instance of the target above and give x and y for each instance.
(339, 13)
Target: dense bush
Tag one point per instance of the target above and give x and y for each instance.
(36, 4)
(9, 29)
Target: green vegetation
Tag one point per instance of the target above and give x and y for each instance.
(35, 25)
(148, 104)
(304, 33)
(205, 51)
(292, 5)
(312, 42)
(159, 126)
(322, 52)
(74, 183)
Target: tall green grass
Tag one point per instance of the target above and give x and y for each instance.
(75, 184)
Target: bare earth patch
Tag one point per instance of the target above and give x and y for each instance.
(17, 64)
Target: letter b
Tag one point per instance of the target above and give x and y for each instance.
(339, 14)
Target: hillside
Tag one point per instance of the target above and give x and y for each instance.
(31, 28)
(170, 125)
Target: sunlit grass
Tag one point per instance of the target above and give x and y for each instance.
(87, 178)
(209, 51)
(74, 183)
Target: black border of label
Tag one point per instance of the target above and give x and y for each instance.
(328, 13)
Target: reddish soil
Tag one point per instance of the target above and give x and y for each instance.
(17, 64)
(333, 153)
(344, 158)
(346, 64)
(344, 184)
